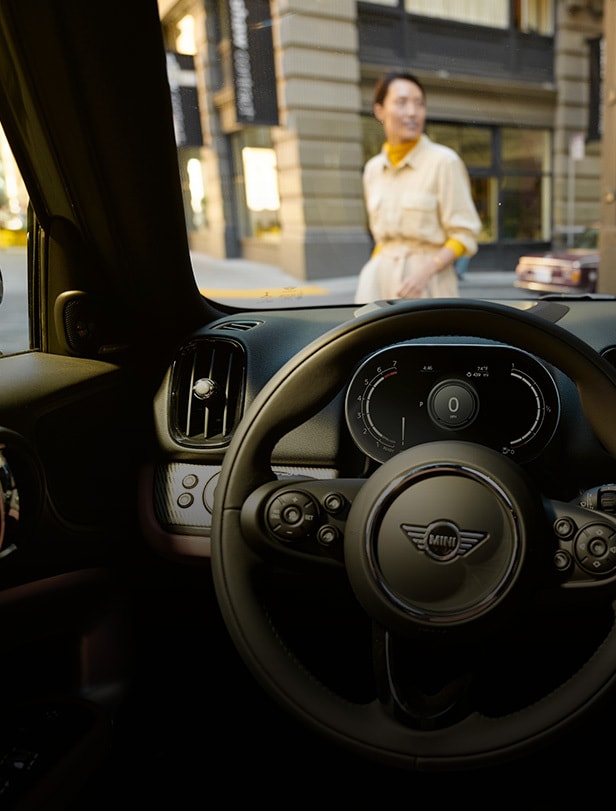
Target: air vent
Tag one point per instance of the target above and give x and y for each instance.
(207, 392)
(237, 326)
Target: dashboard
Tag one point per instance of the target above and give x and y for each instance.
(393, 397)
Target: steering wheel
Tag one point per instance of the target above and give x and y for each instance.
(444, 551)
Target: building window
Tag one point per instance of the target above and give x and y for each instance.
(256, 183)
(475, 145)
(510, 170)
(261, 184)
(529, 16)
(535, 16)
(187, 119)
(525, 183)
(492, 13)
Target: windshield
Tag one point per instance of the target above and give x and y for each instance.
(276, 122)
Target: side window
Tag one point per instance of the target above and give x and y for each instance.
(14, 329)
(529, 16)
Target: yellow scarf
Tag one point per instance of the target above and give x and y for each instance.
(398, 152)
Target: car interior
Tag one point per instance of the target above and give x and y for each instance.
(296, 554)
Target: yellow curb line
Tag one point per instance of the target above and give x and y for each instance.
(262, 292)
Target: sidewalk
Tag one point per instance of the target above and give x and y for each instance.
(240, 278)
(249, 279)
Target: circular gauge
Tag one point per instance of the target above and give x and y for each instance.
(491, 394)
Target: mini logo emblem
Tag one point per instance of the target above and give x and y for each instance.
(442, 540)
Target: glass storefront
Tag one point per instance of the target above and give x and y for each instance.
(255, 182)
(511, 176)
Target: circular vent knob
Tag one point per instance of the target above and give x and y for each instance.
(204, 388)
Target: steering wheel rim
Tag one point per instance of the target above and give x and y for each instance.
(285, 402)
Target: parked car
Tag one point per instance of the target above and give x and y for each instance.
(571, 270)
(279, 555)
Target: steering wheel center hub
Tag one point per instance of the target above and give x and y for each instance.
(435, 540)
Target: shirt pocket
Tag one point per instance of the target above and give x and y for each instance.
(419, 217)
(376, 214)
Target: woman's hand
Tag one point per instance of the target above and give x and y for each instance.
(415, 283)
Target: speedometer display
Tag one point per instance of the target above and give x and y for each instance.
(490, 394)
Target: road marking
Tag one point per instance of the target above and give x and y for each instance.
(263, 292)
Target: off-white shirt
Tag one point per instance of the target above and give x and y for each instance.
(413, 209)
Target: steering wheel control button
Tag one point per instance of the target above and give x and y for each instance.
(327, 535)
(185, 500)
(564, 527)
(333, 503)
(562, 560)
(595, 549)
(292, 515)
(453, 404)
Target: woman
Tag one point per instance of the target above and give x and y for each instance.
(420, 209)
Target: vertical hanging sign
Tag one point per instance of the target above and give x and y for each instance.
(252, 54)
(184, 99)
(596, 48)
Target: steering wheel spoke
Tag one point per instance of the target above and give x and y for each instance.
(421, 684)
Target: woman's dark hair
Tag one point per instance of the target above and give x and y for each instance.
(382, 86)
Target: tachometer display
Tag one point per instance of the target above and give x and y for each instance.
(491, 394)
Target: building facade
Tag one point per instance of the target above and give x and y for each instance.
(283, 92)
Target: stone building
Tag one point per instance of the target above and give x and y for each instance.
(283, 92)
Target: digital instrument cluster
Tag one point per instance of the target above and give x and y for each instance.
(491, 394)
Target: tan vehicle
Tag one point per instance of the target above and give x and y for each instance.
(573, 270)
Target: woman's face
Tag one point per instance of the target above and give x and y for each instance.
(403, 112)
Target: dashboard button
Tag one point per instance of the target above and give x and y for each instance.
(185, 500)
